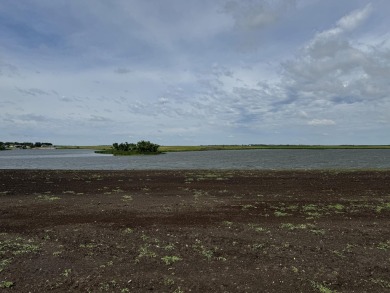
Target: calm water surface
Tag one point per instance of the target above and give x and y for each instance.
(247, 159)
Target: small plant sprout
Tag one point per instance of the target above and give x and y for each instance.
(169, 260)
(322, 288)
(247, 207)
(257, 228)
(169, 247)
(228, 224)
(145, 251)
(294, 269)
(384, 245)
(144, 237)
(4, 263)
(384, 206)
(127, 198)
(312, 211)
(6, 284)
(290, 226)
(48, 197)
(317, 231)
(257, 246)
(128, 231)
(198, 246)
(66, 273)
(168, 281)
(281, 214)
(381, 282)
(68, 192)
(178, 290)
(338, 207)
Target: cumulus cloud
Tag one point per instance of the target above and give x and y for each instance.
(337, 68)
(354, 19)
(328, 42)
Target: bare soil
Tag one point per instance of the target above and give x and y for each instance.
(194, 231)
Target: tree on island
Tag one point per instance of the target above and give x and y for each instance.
(141, 147)
(124, 147)
(147, 147)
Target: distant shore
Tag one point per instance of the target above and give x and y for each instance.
(238, 147)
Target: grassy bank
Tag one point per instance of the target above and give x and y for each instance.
(236, 147)
(125, 153)
(83, 147)
(249, 147)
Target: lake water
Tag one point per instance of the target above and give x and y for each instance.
(245, 159)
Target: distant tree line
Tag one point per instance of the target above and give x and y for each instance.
(141, 147)
(23, 145)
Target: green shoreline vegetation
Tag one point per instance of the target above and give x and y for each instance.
(110, 149)
(266, 146)
(166, 149)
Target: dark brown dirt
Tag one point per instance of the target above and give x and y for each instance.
(194, 231)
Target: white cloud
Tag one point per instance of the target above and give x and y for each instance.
(355, 18)
(334, 68)
(328, 42)
(321, 122)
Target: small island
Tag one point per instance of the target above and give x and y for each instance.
(129, 149)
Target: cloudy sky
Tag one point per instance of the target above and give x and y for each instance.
(195, 72)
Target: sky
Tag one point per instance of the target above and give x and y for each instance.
(195, 72)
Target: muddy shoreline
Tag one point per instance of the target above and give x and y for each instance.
(194, 231)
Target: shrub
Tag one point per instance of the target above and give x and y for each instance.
(141, 147)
